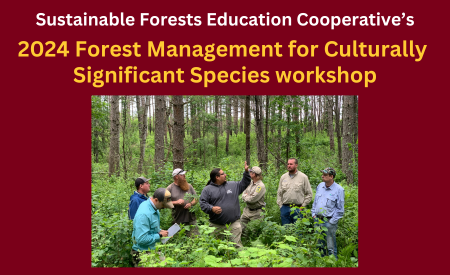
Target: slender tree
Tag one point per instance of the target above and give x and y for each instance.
(330, 121)
(142, 107)
(338, 128)
(295, 119)
(266, 151)
(125, 113)
(347, 121)
(216, 123)
(241, 124)
(159, 132)
(288, 127)
(178, 132)
(259, 132)
(114, 123)
(355, 123)
(247, 129)
(228, 119)
(236, 114)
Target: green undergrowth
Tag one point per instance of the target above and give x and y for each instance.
(266, 242)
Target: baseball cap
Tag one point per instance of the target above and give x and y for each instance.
(256, 170)
(178, 171)
(140, 181)
(329, 171)
(168, 200)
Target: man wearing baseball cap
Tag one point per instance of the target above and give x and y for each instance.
(140, 195)
(253, 196)
(328, 207)
(180, 212)
(146, 231)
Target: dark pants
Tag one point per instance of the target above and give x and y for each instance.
(287, 217)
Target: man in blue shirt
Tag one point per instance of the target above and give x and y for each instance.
(140, 195)
(328, 207)
(146, 230)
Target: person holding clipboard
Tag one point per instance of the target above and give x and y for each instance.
(146, 231)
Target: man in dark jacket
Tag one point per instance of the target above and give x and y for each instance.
(140, 195)
(220, 199)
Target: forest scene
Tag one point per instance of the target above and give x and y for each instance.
(150, 136)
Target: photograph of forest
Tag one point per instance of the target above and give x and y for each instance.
(150, 136)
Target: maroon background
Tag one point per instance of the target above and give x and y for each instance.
(46, 119)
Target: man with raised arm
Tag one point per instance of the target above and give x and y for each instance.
(220, 199)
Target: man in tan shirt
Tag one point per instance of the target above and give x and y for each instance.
(293, 190)
(253, 196)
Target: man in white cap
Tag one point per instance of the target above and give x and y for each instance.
(180, 212)
(146, 231)
(140, 195)
(253, 196)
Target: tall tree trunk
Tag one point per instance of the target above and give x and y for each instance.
(314, 116)
(347, 121)
(142, 107)
(178, 132)
(129, 110)
(259, 133)
(114, 124)
(319, 127)
(125, 113)
(355, 123)
(236, 114)
(338, 128)
(266, 151)
(216, 123)
(247, 129)
(169, 119)
(288, 128)
(280, 117)
(150, 104)
(160, 127)
(306, 121)
(295, 118)
(241, 124)
(154, 112)
(330, 121)
(228, 119)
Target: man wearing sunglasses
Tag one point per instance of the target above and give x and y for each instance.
(146, 231)
(328, 207)
(181, 213)
(220, 199)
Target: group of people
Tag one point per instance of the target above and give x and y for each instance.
(220, 200)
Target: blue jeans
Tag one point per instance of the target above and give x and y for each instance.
(330, 239)
(287, 218)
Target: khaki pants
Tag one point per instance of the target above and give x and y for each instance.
(235, 229)
(248, 215)
(194, 229)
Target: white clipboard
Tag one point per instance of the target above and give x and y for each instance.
(172, 231)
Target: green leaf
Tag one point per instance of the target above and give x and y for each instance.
(291, 238)
(211, 260)
(286, 263)
(284, 246)
(236, 261)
